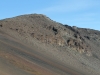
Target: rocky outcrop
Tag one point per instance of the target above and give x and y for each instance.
(45, 30)
(0, 25)
(49, 39)
(78, 45)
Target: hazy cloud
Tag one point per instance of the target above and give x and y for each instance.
(71, 6)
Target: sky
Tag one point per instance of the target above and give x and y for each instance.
(80, 13)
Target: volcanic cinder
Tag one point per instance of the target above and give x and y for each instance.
(33, 44)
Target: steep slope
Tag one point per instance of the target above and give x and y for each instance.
(36, 45)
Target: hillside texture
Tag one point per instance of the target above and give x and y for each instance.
(36, 45)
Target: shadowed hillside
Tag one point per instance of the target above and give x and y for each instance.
(36, 45)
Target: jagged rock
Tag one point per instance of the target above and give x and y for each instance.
(76, 36)
(43, 29)
(87, 37)
(35, 36)
(80, 46)
(55, 30)
(74, 27)
(1, 25)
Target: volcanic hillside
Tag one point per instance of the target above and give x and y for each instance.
(36, 45)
